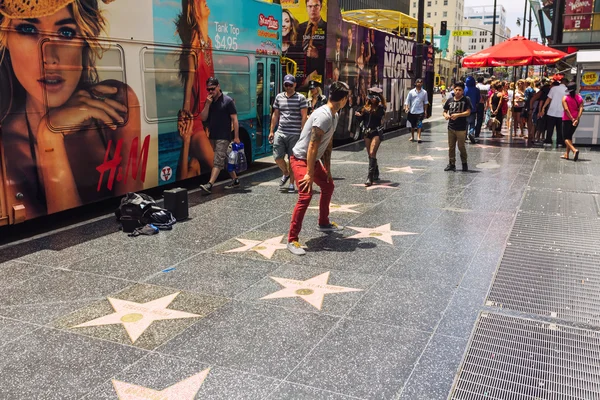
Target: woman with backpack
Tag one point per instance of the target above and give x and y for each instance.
(573, 106)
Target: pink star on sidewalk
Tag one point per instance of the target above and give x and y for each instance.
(377, 186)
(184, 390)
(383, 233)
(265, 248)
(137, 317)
(312, 290)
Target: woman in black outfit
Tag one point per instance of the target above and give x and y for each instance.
(371, 117)
(496, 109)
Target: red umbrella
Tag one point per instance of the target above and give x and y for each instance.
(514, 52)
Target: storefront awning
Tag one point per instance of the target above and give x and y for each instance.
(386, 20)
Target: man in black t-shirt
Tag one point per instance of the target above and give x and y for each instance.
(219, 114)
(456, 111)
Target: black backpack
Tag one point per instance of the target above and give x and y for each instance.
(139, 209)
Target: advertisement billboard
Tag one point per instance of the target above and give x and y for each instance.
(107, 101)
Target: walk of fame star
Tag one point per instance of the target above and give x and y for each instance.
(312, 290)
(425, 158)
(484, 146)
(265, 248)
(137, 317)
(339, 208)
(407, 170)
(184, 390)
(377, 186)
(383, 233)
(440, 148)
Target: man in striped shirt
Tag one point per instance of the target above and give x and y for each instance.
(289, 116)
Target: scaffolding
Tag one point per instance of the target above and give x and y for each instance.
(387, 20)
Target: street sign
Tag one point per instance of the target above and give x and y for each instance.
(462, 33)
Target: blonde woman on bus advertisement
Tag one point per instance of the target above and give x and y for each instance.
(196, 66)
(67, 137)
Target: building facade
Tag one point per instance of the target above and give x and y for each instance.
(396, 5)
(575, 23)
(436, 11)
(480, 19)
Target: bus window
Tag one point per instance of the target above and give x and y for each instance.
(107, 66)
(260, 70)
(233, 73)
(163, 87)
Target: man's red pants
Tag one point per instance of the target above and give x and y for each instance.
(299, 169)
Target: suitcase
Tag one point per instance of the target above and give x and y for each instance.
(176, 201)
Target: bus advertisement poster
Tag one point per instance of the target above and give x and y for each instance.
(110, 104)
(304, 36)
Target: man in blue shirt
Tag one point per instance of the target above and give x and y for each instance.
(415, 103)
(474, 94)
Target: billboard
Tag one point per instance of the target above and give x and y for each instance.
(76, 128)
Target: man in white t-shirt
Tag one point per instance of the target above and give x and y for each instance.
(311, 163)
(553, 108)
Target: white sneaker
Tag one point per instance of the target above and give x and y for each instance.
(296, 248)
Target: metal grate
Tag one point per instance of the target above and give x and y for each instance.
(575, 183)
(549, 283)
(553, 232)
(511, 358)
(564, 203)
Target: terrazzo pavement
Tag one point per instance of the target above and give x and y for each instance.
(400, 335)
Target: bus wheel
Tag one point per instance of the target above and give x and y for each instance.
(245, 139)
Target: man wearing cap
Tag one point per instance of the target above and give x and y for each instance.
(219, 114)
(289, 116)
(311, 163)
(415, 103)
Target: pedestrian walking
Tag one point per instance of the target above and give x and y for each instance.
(553, 108)
(541, 119)
(415, 105)
(311, 163)
(573, 108)
(289, 117)
(219, 115)
(456, 111)
(474, 94)
(315, 96)
(371, 117)
(481, 107)
(519, 105)
(496, 114)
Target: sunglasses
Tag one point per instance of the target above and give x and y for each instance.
(288, 84)
(210, 89)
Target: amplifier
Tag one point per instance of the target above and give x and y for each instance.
(176, 201)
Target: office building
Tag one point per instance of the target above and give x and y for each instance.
(480, 19)
(437, 11)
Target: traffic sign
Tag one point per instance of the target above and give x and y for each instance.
(462, 33)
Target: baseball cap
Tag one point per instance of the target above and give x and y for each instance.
(313, 84)
(212, 81)
(289, 79)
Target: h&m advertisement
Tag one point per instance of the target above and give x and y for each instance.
(83, 118)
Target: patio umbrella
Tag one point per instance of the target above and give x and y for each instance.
(515, 52)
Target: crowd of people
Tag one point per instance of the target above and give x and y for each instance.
(302, 130)
(535, 107)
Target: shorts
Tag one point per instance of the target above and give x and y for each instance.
(373, 133)
(284, 144)
(220, 147)
(568, 130)
(517, 110)
(414, 119)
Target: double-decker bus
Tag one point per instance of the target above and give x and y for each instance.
(99, 98)
(364, 48)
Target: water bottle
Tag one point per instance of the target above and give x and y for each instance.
(232, 158)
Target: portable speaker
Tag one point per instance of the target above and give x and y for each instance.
(176, 201)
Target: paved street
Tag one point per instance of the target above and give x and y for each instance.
(219, 309)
